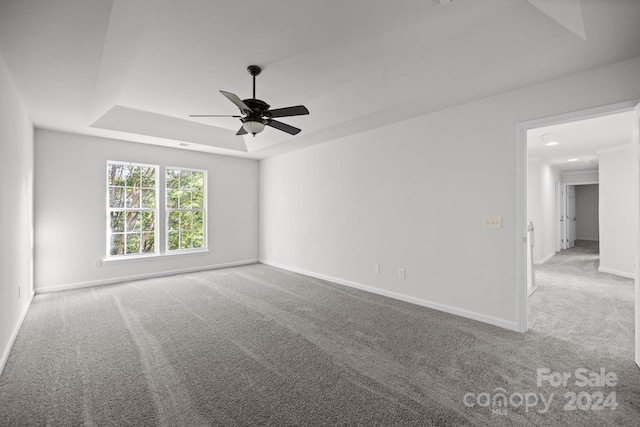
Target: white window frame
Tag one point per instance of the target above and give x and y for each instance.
(168, 210)
(109, 210)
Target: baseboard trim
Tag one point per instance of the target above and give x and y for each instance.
(545, 259)
(616, 272)
(589, 239)
(14, 334)
(402, 297)
(78, 285)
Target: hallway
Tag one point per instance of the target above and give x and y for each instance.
(577, 303)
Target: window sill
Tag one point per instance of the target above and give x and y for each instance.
(136, 258)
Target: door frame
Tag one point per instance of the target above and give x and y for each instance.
(635, 143)
(565, 224)
(559, 216)
(521, 195)
(567, 220)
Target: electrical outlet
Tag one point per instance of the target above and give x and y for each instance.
(97, 263)
(492, 222)
(376, 268)
(19, 289)
(401, 273)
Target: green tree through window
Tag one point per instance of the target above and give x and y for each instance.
(185, 207)
(132, 208)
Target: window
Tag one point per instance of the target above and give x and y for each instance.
(132, 208)
(185, 202)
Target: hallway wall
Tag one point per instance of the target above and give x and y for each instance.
(541, 205)
(616, 216)
(16, 211)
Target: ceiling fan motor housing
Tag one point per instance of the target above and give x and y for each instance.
(258, 107)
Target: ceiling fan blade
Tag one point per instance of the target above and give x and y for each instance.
(242, 131)
(298, 110)
(283, 127)
(234, 98)
(212, 115)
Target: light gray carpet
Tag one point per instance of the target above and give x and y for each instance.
(256, 345)
(577, 303)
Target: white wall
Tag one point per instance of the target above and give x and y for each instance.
(541, 207)
(16, 211)
(587, 217)
(70, 210)
(412, 195)
(616, 211)
(580, 177)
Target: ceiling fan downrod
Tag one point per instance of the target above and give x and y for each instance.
(254, 70)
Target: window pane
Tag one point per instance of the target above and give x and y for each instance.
(117, 222)
(116, 197)
(172, 178)
(197, 180)
(117, 244)
(133, 221)
(148, 198)
(198, 241)
(185, 179)
(173, 197)
(198, 220)
(185, 200)
(133, 177)
(148, 242)
(174, 220)
(185, 241)
(185, 220)
(133, 243)
(174, 240)
(148, 221)
(148, 177)
(133, 198)
(116, 174)
(196, 200)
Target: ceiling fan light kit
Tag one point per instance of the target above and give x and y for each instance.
(253, 126)
(256, 114)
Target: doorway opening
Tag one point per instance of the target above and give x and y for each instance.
(565, 184)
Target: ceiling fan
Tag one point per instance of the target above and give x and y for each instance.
(256, 113)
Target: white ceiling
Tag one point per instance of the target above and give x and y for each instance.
(580, 140)
(135, 69)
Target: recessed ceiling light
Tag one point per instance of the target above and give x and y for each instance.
(572, 160)
(550, 143)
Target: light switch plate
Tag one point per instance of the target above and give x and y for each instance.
(492, 222)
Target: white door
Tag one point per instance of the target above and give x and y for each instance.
(571, 216)
(636, 143)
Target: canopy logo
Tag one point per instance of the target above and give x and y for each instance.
(499, 401)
